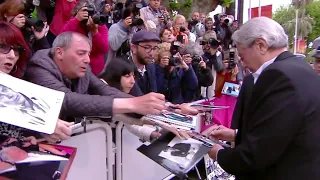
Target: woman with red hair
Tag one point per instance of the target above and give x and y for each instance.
(14, 54)
(14, 51)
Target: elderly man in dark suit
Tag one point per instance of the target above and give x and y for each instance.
(278, 134)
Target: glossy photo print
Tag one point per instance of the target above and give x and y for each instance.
(181, 151)
(231, 89)
(28, 105)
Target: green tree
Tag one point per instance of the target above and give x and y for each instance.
(186, 7)
(313, 10)
(286, 16)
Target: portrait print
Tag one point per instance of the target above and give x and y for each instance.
(28, 105)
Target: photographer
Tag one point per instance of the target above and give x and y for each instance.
(84, 21)
(173, 74)
(224, 30)
(213, 58)
(108, 13)
(193, 52)
(18, 13)
(179, 30)
(153, 15)
(197, 27)
(120, 34)
(230, 71)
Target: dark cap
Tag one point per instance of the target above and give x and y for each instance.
(143, 36)
(316, 54)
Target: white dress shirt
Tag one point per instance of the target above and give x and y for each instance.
(142, 71)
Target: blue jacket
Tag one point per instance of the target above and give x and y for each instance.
(171, 84)
(145, 84)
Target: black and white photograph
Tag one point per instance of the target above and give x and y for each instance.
(181, 151)
(28, 105)
(214, 170)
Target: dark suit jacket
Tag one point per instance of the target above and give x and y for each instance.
(145, 84)
(242, 101)
(279, 139)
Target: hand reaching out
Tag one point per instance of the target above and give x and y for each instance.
(62, 132)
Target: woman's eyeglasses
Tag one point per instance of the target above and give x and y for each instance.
(6, 48)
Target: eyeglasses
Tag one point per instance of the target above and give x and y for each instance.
(148, 49)
(6, 48)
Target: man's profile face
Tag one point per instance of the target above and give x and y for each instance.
(316, 65)
(146, 51)
(75, 58)
(249, 55)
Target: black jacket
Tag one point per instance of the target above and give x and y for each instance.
(278, 139)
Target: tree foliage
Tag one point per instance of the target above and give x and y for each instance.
(308, 19)
(313, 10)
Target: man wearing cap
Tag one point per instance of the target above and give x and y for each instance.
(65, 67)
(316, 63)
(144, 45)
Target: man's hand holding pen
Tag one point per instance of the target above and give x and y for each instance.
(221, 133)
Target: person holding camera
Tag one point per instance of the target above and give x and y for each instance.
(223, 29)
(119, 36)
(193, 52)
(152, 15)
(179, 29)
(83, 22)
(197, 27)
(173, 74)
(213, 58)
(18, 13)
(228, 74)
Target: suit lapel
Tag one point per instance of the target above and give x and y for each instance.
(286, 55)
(247, 87)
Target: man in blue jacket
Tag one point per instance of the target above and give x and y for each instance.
(144, 45)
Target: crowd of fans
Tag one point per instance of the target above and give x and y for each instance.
(111, 58)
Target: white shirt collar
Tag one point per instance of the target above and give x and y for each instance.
(139, 70)
(262, 67)
(142, 71)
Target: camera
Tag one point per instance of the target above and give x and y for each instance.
(231, 62)
(174, 61)
(175, 46)
(137, 22)
(174, 49)
(97, 16)
(38, 25)
(196, 60)
(193, 22)
(164, 17)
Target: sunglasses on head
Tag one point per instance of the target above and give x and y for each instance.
(6, 48)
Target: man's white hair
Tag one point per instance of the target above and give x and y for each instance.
(261, 27)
